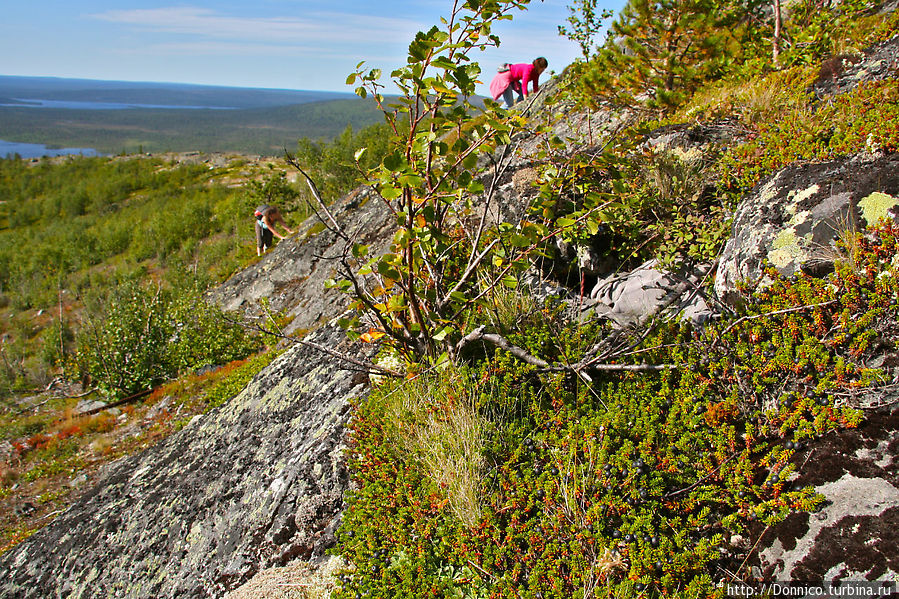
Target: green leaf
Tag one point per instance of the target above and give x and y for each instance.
(394, 162)
(385, 269)
(410, 180)
(389, 192)
(519, 241)
(402, 237)
(476, 187)
(443, 63)
(443, 333)
(396, 303)
(342, 285)
(358, 154)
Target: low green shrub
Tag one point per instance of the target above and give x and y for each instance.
(632, 205)
(624, 483)
(235, 378)
(864, 119)
(143, 334)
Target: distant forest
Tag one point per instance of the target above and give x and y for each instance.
(263, 122)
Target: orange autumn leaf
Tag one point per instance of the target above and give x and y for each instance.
(371, 336)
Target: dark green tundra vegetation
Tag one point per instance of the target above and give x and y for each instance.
(522, 470)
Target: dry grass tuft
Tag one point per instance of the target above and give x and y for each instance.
(438, 423)
(301, 580)
(758, 100)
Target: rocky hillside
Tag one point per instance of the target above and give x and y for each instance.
(254, 484)
(262, 481)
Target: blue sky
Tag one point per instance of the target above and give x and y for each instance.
(285, 44)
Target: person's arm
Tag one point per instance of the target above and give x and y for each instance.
(525, 79)
(270, 223)
(280, 218)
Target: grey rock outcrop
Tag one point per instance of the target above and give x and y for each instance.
(855, 533)
(255, 483)
(291, 276)
(793, 220)
(633, 297)
(843, 73)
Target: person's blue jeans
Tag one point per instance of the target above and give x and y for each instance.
(507, 94)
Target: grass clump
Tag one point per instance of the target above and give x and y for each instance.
(437, 423)
(234, 377)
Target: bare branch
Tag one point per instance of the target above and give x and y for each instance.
(334, 225)
(370, 367)
(501, 342)
(633, 367)
(472, 266)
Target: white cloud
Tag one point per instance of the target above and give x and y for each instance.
(206, 23)
(217, 48)
(220, 48)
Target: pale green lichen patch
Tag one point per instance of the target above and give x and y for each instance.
(877, 206)
(797, 197)
(800, 217)
(195, 536)
(786, 248)
(768, 192)
(806, 193)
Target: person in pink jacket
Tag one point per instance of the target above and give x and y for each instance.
(515, 78)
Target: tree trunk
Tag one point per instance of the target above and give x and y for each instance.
(775, 44)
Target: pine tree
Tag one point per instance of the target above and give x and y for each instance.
(658, 51)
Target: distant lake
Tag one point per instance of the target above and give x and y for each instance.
(10, 148)
(36, 103)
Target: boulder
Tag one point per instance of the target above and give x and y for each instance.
(633, 297)
(793, 220)
(291, 276)
(255, 483)
(855, 533)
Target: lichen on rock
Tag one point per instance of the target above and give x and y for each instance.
(876, 206)
(255, 483)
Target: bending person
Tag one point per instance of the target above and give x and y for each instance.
(266, 218)
(515, 78)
